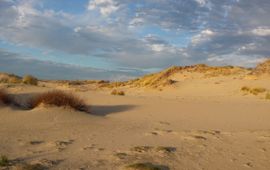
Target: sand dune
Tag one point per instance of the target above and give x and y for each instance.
(201, 119)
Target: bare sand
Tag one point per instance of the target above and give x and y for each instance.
(196, 124)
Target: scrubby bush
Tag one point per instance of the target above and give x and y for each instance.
(31, 80)
(245, 88)
(4, 160)
(254, 91)
(118, 92)
(59, 98)
(4, 97)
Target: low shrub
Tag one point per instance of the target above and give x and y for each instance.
(118, 92)
(31, 80)
(4, 160)
(59, 98)
(256, 91)
(4, 97)
(245, 88)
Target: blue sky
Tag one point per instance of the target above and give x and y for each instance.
(122, 39)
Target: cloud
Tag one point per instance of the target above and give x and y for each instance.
(144, 34)
(14, 63)
(106, 7)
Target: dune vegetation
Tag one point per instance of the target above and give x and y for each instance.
(60, 99)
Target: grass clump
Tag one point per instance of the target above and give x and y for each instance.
(267, 96)
(31, 80)
(144, 166)
(4, 160)
(256, 91)
(59, 98)
(118, 92)
(4, 97)
(245, 88)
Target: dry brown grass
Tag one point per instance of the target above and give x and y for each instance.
(118, 92)
(254, 91)
(59, 99)
(267, 96)
(4, 97)
(31, 80)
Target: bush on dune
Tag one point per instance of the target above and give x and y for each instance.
(31, 80)
(118, 92)
(4, 97)
(59, 98)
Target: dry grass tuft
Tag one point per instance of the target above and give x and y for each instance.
(4, 161)
(118, 92)
(4, 97)
(267, 96)
(254, 91)
(59, 98)
(144, 166)
(31, 80)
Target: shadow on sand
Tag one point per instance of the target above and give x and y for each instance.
(21, 102)
(102, 110)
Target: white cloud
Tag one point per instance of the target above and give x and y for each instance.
(261, 31)
(201, 2)
(203, 36)
(106, 7)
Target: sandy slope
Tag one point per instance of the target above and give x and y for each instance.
(204, 124)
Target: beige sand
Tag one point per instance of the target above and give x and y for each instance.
(195, 124)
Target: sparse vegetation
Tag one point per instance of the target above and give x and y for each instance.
(141, 148)
(267, 96)
(144, 166)
(10, 78)
(31, 167)
(118, 92)
(245, 88)
(166, 149)
(4, 161)
(59, 98)
(4, 97)
(254, 91)
(31, 80)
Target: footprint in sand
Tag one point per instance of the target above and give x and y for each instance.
(164, 123)
(157, 132)
(264, 138)
(61, 145)
(93, 147)
(36, 142)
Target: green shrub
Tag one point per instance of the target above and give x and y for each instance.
(31, 80)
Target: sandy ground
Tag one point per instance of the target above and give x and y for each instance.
(204, 124)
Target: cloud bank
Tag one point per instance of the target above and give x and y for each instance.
(151, 34)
